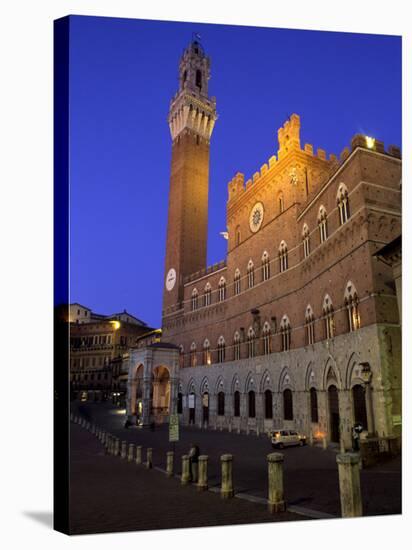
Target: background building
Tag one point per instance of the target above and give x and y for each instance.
(97, 345)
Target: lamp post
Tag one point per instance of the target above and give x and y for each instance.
(366, 377)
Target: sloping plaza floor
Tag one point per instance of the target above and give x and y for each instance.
(310, 473)
(109, 494)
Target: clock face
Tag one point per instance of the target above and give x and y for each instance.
(256, 217)
(170, 279)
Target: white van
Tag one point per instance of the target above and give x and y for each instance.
(285, 438)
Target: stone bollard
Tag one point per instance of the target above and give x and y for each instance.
(226, 490)
(93, 430)
(202, 482)
(230, 427)
(130, 453)
(311, 438)
(349, 485)
(342, 446)
(103, 437)
(138, 454)
(324, 443)
(149, 461)
(116, 447)
(124, 449)
(169, 463)
(185, 478)
(276, 502)
(257, 431)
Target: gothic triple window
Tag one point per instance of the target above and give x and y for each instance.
(195, 299)
(236, 346)
(343, 204)
(323, 224)
(221, 349)
(207, 357)
(265, 266)
(222, 289)
(309, 326)
(285, 331)
(237, 282)
(250, 274)
(352, 307)
(251, 342)
(306, 241)
(328, 317)
(283, 256)
(208, 294)
(193, 355)
(266, 339)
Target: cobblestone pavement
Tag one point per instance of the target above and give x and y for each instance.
(310, 473)
(109, 494)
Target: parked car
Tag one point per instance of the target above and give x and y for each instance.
(285, 438)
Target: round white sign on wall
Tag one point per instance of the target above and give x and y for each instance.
(256, 217)
(170, 279)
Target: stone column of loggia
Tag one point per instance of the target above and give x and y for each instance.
(149, 458)
(202, 481)
(138, 454)
(169, 463)
(349, 485)
(130, 452)
(185, 478)
(276, 502)
(226, 490)
(123, 452)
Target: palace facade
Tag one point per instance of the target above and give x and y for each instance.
(298, 327)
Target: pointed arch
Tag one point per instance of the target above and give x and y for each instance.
(250, 382)
(285, 380)
(191, 386)
(266, 382)
(205, 386)
(331, 374)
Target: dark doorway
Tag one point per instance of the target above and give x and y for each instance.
(192, 408)
(359, 406)
(334, 413)
(205, 407)
(236, 403)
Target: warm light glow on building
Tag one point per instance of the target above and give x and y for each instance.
(116, 324)
(370, 142)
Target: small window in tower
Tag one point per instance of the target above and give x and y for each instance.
(198, 79)
(184, 76)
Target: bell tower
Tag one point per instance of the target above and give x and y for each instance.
(192, 116)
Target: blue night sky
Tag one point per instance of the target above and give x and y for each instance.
(123, 73)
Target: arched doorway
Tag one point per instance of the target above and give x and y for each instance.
(205, 408)
(161, 393)
(192, 407)
(359, 406)
(334, 419)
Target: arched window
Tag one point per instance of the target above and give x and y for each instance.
(207, 359)
(237, 236)
(268, 404)
(314, 405)
(266, 339)
(287, 404)
(343, 203)
(198, 78)
(179, 403)
(306, 241)
(193, 355)
(181, 356)
(251, 342)
(208, 294)
(236, 346)
(352, 307)
(285, 331)
(281, 203)
(195, 299)
(237, 281)
(265, 266)
(283, 256)
(328, 317)
(309, 326)
(250, 274)
(251, 404)
(221, 349)
(222, 289)
(221, 403)
(323, 224)
(236, 403)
